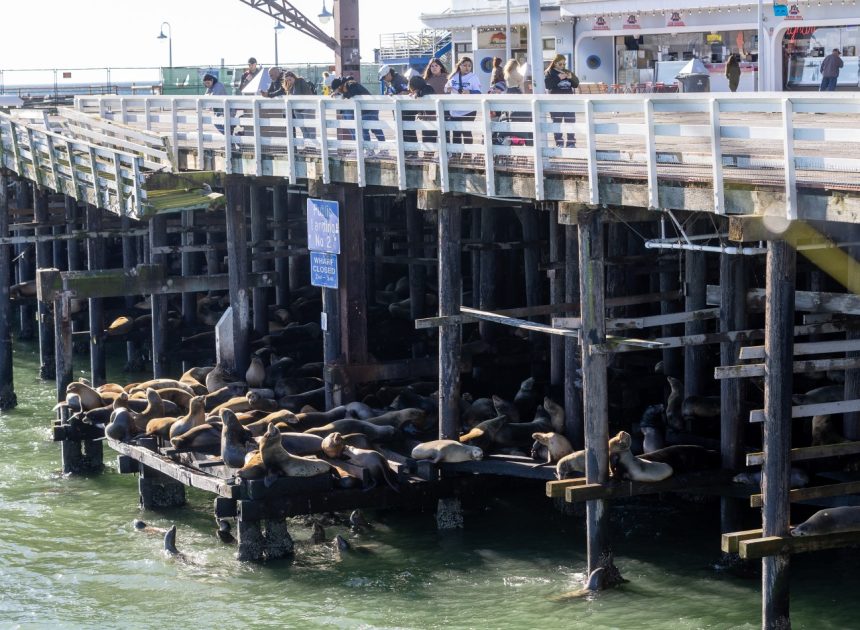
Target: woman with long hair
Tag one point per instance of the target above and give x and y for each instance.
(435, 75)
(559, 80)
(463, 81)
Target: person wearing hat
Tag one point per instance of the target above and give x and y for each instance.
(393, 81)
(215, 88)
(249, 74)
(347, 87)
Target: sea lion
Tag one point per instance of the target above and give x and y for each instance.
(824, 431)
(401, 417)
(526, 397)
(195, 417)
(478, 411)
(484, 434)
(359, 410)
(333, 445)
(575, 462)
(196, 375)
(674, 415)
(700, 407)
(160, 427)
(556, 414)
(179, 397)
(278, 460)
(90, 398)
(516, 434)
(219, 397)
(233, 439)
(318, 536)
(158, 384)
(828, 393)
(348, 425)
(73, 402)
(122, 325)
(446, 451)
(357, 522)
(373, 462)
(797, 478)
(218, 378)
(170, 545)
(628, 466)
(154, 409)
(685, 458)
(225, 535)
(830, 521)
(119, 427)
(205, 438)
(557, 446)
(253, 468)
(505, 408)
(255, 375)
(294, 402)
(140, 526)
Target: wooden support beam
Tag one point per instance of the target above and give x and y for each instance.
(44, 260)
(814, 492)
(282, 265)
(517, 323)
(730, 541)
(8, 400)
(638, 323)
(807, 411)
(713, 481)
(798, 367)
(817, 347)
(158, 237)
(417, 272)
(779, 316)
(574, 426)
(353, 285)
(808, 301)
(556, 295)
(63, 341)
(810, 452)
(258, 265)
(238, 270)
(556, 489)
(450, 289)
(766, 546)
(487, 273)
(95, 262)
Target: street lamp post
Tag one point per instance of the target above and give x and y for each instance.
(324, 15)
(169, 38)
(278, 27)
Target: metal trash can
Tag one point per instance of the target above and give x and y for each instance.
(694, 77)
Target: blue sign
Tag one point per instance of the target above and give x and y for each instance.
(323, 226)
(780, 10)
(324, 270)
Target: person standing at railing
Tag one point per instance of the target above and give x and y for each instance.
(347, 87)
(215, 88)
(419, 88)
(393, 81)
(299, 86)
(276, 87)
(248, 75)
(514, 81)
(497, 74)
(830, 71)
(463, 81)
(559, 80)
(733, 71)
(436, 76)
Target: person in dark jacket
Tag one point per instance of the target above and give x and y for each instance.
(249, 74)
(275, 87)
(347, 87)
(419, 88)
(393, 81)
(559, 80)
(215, 88)
(299, 86)
(733, 71)
(830, 71)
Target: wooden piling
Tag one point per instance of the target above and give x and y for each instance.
(44, 260)
(296, 208)
(237, 267)
(528, 216)
(63, 347)
(96, 261)
(448, 218)
(556, 296)
(8, 400)
(280, 234)
(353, 290)
(594, 383)
(158, 303)
(669, 282)
(417, 273)
(26, 269)
(851, 421)
(733, 289)
(695, 270)
(779, 341)
(573, 422)
(475, 255)
(487, 280)
(134, 361)
(190, 266)
(73, 250)
(258, 234)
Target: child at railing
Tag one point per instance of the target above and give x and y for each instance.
(462, 81)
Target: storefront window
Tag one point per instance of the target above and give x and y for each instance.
(805, 47)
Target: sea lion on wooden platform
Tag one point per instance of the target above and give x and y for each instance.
(483, 435)
(158, 384)
(700, 407)
(313, 419)
(196, 375)
(276, 459)
(294, 402)
(154, 409)
(348, 425)
(195, 417)
(628, 466)
(160, 427)
(674, 414)
(797, 478)
(505, 408)
(652, 426)
(684, 458)
(179, 397)
(219, 377)
(446, 451)
(478, 411)
(556, 414)
(826, 394)
(234, 437)
(557, 446)
(519, 433)
(205, 438)
(90, 398)
(830, 521)
(259, 402)
(526, 397)
(119, 427)
(824, 431)
(575, 462)
(401, 417)
(122, 325)
(253, 468)
(255, 375)
(333, 445)
(373, 462)
(359, 410)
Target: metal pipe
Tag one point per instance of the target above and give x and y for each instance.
(731, 250)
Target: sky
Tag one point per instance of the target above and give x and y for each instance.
(64, 34)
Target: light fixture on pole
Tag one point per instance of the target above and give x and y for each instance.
(169, 38)
(324, 15)
(507, 29)
(278, 27)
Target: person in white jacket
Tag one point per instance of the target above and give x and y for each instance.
(463, 81)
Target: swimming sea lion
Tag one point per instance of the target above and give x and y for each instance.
(195, 417)
(446, 451)
(233, 439)
(90, 398)
(255, 375)
(170, 545)
(830, 521)
(824, 431)
(357, 522)
(628, 466)
(277, 460)
(333, 445)
(224, 532)
(575, 462)
(556, 444)
(140, 526)
(556, 414)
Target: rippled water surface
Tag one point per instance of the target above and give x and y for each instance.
(70, 558)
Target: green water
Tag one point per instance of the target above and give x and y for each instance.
(70, 558)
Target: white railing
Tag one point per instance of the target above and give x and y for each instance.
(104, 177)
(775, 141)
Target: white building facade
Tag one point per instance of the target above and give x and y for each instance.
(630, 42)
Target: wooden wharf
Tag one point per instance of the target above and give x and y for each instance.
(610, 245)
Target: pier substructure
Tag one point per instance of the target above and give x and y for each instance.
(8, 400)
(44, 260)
(96, 261)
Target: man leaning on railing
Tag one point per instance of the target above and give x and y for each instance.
(347, 87)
